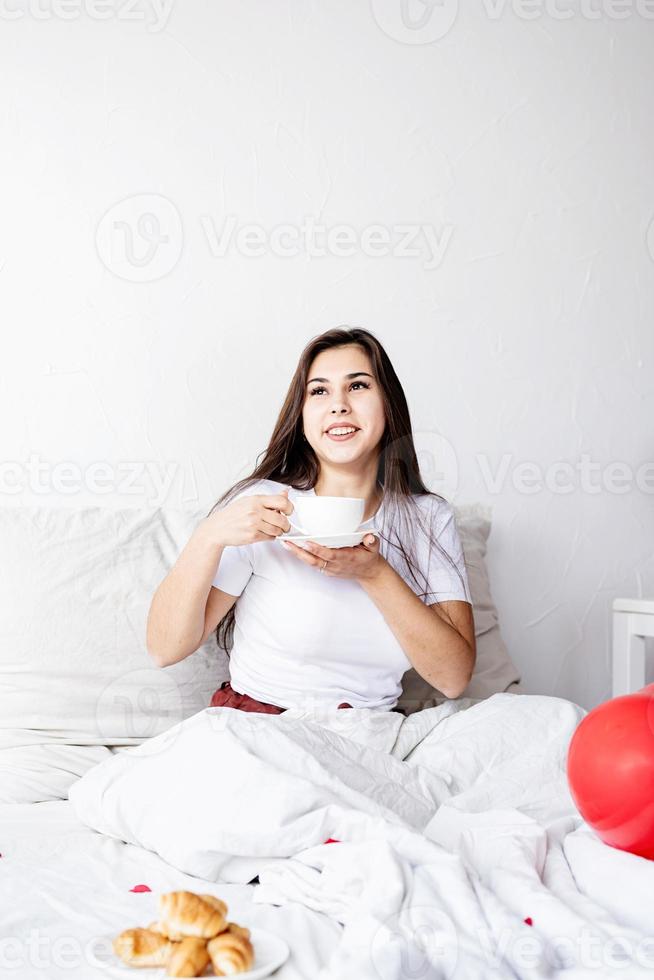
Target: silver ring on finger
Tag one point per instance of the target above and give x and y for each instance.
(324, 565)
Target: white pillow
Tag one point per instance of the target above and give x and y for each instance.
(41, 772)
(494, 671)
(75, 590)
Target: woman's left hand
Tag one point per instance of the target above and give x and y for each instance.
(360, 562)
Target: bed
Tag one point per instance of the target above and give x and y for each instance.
(454, 849)
(440, 844)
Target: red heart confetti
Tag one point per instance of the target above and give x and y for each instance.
(331, 840)
(141, 888)
(528, 921)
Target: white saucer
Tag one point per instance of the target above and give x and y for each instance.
(270, 951)
(331, 540)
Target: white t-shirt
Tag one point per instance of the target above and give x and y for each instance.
(307, 640)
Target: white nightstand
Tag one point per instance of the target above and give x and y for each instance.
(633, 620)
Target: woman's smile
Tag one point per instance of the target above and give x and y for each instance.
(342, 433)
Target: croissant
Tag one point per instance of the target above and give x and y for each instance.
(142, 947)
(189, 958)
(217, 903)
(238, 930)
(159, 927)
(230, 953)
(191, 915)
(156, 926)
(229, 926)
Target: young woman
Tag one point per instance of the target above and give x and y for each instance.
(313, 626)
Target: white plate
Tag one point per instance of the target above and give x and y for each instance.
(330, 540)
(269, 953)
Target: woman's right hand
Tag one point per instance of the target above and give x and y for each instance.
(250, 519)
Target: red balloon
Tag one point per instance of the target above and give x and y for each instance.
(611, 771)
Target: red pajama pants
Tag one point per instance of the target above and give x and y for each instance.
(227, 697)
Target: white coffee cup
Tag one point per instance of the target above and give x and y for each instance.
(327, 515)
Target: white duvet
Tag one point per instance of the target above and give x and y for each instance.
(460, 852)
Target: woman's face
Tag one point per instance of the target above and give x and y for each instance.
(334, 397)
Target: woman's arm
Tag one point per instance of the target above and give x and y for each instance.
(177, 616)
(439, 640)
(186, 608)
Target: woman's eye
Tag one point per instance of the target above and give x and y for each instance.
(364, 384)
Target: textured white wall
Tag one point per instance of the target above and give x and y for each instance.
(514, 145)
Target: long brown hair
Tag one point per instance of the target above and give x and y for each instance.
(289, 459)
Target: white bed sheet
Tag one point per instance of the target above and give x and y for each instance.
(63, 887)
(456, 826)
